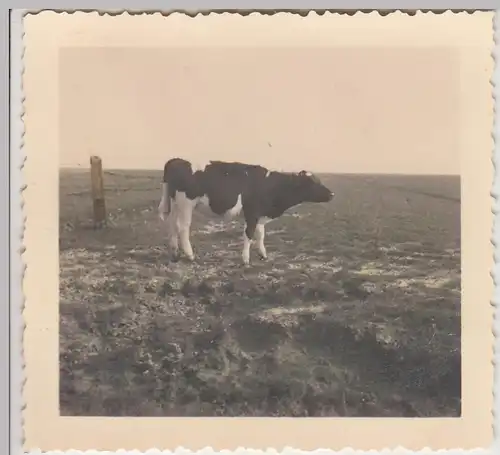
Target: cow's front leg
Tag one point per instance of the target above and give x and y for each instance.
(260, 233)
(248, 236)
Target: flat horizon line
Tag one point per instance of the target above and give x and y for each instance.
(395, 174)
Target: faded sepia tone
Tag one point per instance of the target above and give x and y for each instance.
(80, 101)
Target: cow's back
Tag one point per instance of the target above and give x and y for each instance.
(233, 177)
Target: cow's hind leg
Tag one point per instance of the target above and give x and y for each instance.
(173, 233)
(248, 236)
(185, 208)
(170, 220)
(260, 233)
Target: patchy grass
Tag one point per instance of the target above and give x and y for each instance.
(356, 312)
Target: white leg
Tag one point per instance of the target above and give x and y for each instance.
(173, 234)
(245, 254)
(184, 216)
(162, 207)
(260, 233)
(161, 211)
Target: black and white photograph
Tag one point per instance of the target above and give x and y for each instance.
(230, 249)
(260, 231)
(231, 245)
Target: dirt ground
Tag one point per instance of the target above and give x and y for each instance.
(356, 312)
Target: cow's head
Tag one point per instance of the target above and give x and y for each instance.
(312, 189)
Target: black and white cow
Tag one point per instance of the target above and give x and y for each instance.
(229, 188)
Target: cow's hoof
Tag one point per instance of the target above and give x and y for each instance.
(175, 257)
(263, 258)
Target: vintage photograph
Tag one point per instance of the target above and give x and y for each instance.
(262, 250)
(279, 217)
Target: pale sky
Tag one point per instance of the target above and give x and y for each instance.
(311, 108)
(371, 95)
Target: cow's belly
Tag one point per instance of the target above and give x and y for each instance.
(203, 206)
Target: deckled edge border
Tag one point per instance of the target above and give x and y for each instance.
(17, 225)
(18, 222)
(495, 230)
(263, 12)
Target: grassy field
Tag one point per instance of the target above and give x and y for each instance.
(356, 312)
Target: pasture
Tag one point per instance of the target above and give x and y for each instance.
(356, 312)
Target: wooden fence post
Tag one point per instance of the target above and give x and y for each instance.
(97, 192)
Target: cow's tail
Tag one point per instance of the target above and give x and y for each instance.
(164, 207)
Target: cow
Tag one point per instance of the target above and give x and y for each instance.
(228, 189)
